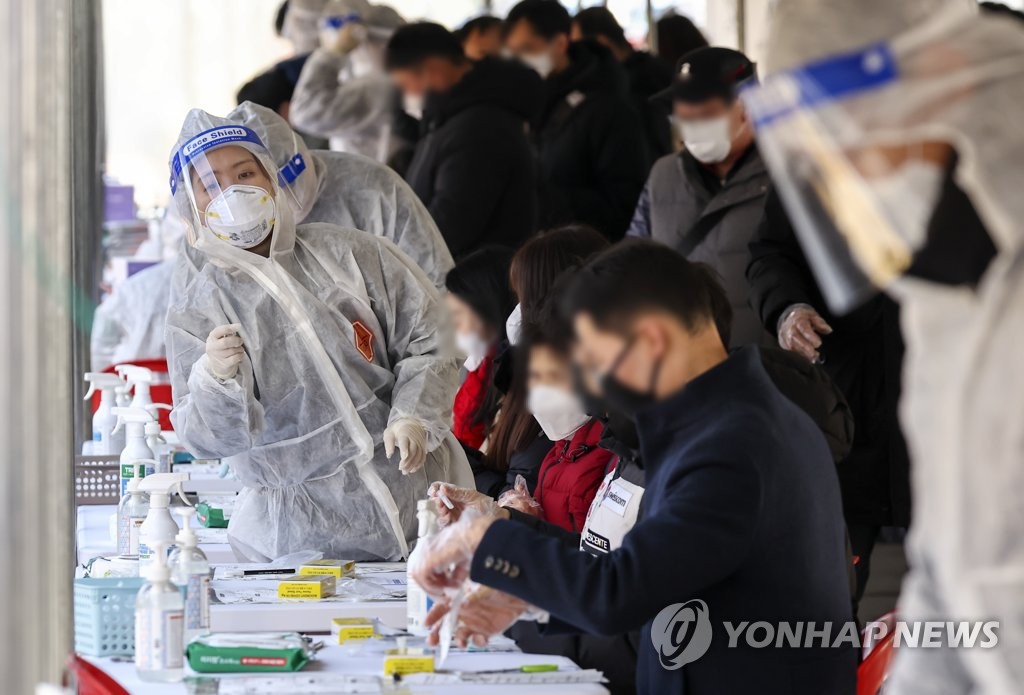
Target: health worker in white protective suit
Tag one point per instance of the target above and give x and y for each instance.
(892, 131)
(343, 93)
(349, 190)
(304, 356)
(129, 324)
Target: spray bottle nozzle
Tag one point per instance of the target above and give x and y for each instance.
(124, 415)
(101, 381)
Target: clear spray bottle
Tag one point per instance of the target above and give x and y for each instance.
(159, 623)
(191, 570)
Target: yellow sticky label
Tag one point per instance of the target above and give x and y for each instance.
(334, 568)
(313, 587)
(345, 629)
(404, 665)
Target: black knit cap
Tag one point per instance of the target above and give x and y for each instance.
(707, 73)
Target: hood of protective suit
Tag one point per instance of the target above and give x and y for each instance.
(301, 24)
(805, 30)
(290, 154)
(200, 123)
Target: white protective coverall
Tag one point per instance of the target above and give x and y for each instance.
(858, 94)
(343, 336)
(350, 190)
(348, 98)
(129, 324)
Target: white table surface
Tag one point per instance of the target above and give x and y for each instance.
(334, 659)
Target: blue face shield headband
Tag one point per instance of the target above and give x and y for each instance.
(227, 135)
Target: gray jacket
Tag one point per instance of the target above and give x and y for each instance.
(677, 210)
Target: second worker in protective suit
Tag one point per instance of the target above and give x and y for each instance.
(304, 356)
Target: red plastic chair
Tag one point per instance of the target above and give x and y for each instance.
(92, 680)
(160, 393)
(878, 654)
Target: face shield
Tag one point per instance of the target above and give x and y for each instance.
(859, 146)
(234, 194)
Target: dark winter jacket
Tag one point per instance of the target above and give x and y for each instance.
(741, 512)
(710, 224)
(648, 75)
(570, 475)
(474, 167)
(862, 355)
(591, 144)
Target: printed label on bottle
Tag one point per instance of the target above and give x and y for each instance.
(97, 435)
(197, 602)
(134, 531)
(158, 639)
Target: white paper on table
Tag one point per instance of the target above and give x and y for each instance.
(314, 684)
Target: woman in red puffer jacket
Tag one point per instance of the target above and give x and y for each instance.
(479, 300)
(573, 468)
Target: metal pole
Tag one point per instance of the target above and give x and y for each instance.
(741, 25)
(48, 169)
(652, 29)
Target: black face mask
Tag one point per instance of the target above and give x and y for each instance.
(617, 427)
(624, 399)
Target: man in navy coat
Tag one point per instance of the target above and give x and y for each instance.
(741, 522)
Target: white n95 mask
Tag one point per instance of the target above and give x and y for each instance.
(242, 215)
(558, 412)
(474, 348)
(514, 325)
(709, 140)
(907, 197)
(541, 63)
(412, 104)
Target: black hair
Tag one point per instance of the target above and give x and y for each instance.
(411, 44)
(483, 24)
(270, 89)
(547, 17)
(677, 36)
(999, 9)
(599, 21)
(481, 281)
(640, 275)
(282, 11)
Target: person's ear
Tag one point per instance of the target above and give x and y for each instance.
(561, 44)
(653, 336)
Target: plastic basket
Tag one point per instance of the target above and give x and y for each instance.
(105, 616)
(97, 480)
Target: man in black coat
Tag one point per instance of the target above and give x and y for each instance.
(473, 167)
(862, 352)
(647, 74)
(741, 519)
(590, 139)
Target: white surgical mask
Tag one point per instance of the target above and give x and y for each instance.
(907, 198)
(241, 215)
(709, 140)
(514, 325)
(474, 348)
(412, 104)
(558, 412)
(541, 63)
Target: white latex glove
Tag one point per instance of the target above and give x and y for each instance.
(483, 613)
(800, 329)
(445, 558)
(520, 499)
(462, 500)
(347, 39)
(411, 439)
(224, 350)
